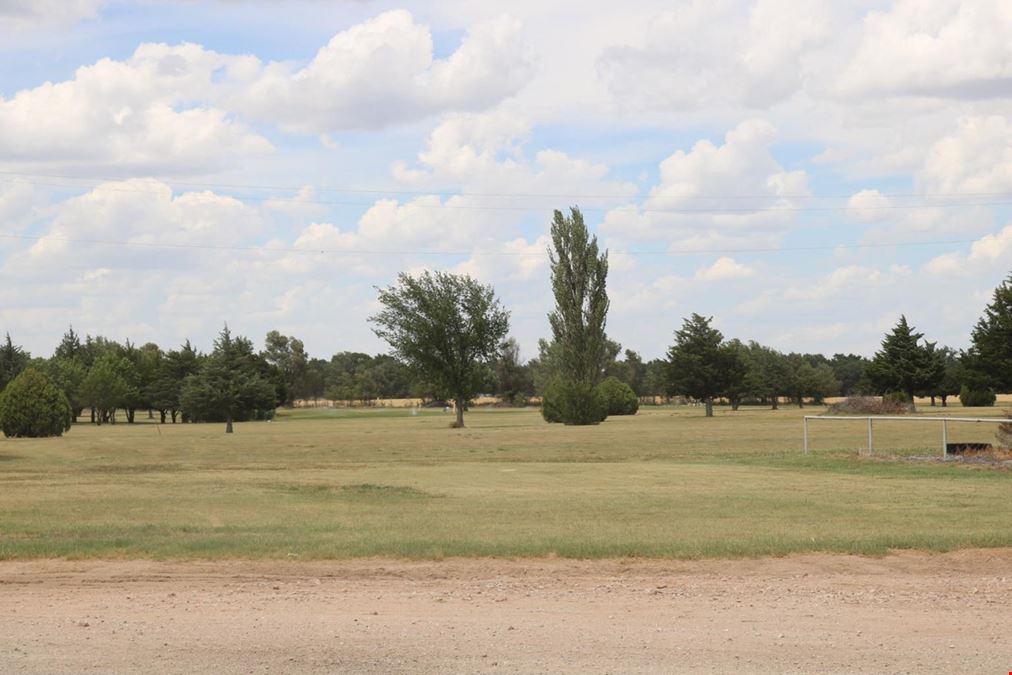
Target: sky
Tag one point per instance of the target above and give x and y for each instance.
(804, 173)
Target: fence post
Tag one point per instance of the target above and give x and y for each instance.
(870, 448)
(945, 438)
(806, 434)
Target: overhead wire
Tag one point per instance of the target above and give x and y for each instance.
(409, 252)
(528, 208)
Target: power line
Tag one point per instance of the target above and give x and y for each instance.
(332, 251)
(633, 208)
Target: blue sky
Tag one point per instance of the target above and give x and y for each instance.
(803, 173)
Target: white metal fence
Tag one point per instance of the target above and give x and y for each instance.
(871, 418)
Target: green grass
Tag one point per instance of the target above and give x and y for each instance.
(332, 484)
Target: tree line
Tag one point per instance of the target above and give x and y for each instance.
(449, 339)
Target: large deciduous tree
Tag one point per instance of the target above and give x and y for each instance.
(700, 364)
(579, 343)
(449, 328)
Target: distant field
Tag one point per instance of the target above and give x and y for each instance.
(334, 483)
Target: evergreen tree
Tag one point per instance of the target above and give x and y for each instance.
(902, 364)
(700, 365)
(990, 354)
(229, 384)
(69, 347)
(13, 360)
(32, 406)
(167, 388)
(68, 375)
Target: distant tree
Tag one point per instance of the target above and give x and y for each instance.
(990, 353)
(933, 371)
(545, 367)
(737, 386)
(655, 382)
(32, 406)
(512, 378)
(68, 375)
(701, 366)
(632, 371)
(449, 328)
(768, 373)
(902, 364)
(288, 355)
(229, 384)
(579, 284)
(69, 347)
(104, 388)
(167, 388)
(316, 378)
(849, 370)
(952, 379)
(814, 382)
(13, 359)
(392, 378)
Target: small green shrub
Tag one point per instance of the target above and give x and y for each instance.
(620, 397)
(573, 403)
(32, 406)
(976, 398)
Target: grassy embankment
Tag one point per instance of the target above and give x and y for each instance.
(330, 484)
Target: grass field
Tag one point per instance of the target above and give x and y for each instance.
(334, 483)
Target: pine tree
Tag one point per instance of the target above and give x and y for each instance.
(902, 364)
(990, 354)
(700, 365)
(70, 346)
(228, 385)
(13, 360)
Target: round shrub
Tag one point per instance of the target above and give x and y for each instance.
(976, 398)
(573, 403)
(32, 406)
(620, 397)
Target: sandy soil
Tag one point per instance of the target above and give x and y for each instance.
(909, 612)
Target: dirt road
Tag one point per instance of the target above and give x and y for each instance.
(909, 612)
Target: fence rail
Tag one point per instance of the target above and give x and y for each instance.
(918, 418)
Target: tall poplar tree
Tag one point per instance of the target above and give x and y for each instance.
(579, 342)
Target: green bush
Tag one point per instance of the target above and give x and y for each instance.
(32, 406)
(976, 398)
(620, 397)
(573, 403)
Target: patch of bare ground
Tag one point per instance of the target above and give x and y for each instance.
(905, 612)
